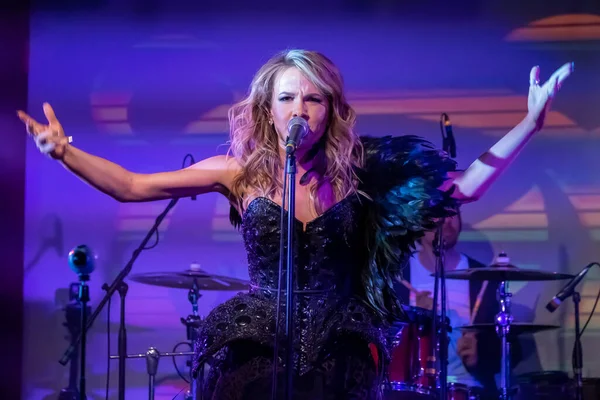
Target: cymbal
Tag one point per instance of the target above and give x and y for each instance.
(515, 328)
(187, 278)
(504, 273)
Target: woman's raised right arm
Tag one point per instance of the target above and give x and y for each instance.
(213, 174)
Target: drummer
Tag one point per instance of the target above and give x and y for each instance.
(473, 359)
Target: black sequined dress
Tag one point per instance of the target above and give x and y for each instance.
(336, 327)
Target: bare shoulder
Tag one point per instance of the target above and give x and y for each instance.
(214, 174)
(221, 162)
(225, 167)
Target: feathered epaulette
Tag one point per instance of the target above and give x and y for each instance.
(401, 176)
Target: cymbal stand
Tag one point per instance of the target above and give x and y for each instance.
(191, 322)
(152, 357)
(503, 320)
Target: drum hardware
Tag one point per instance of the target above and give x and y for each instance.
(72, 322)
(117, 284)
(410, 343)
(194, 279)
(503, 320)
(516, 328)
(569, 290)
(191, 323)
(503, 272)
(110, 290)
(152, 357)
(190, 277)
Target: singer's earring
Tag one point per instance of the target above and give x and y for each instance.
(270, 121)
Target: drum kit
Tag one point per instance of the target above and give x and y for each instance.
(409, 378)
(194, 280)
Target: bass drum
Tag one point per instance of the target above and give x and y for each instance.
(409, 342)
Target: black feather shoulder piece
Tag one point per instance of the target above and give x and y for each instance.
(401, 176)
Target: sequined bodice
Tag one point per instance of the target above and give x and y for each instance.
(328, 250)
(344, 259)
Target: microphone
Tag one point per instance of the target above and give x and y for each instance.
(82, 261)
(448, 141)
(297, 130)
(567, 290)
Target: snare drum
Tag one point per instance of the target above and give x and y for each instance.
(410, 344)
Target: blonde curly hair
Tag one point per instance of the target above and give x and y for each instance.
(255, 144)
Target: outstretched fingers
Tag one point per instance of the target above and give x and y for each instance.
(31, 125)
(50, 115)
(555, 81)
(534, 76)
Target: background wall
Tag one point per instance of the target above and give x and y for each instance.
(14, 42)
(145, 83)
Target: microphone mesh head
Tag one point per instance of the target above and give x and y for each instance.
(298, 122)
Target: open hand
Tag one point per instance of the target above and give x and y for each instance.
(49, 138)
(540, 97)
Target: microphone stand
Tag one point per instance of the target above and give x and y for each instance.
(439, 346)
(577, 358)
(73, 324)
(289, 299)
(83, 298)
(110, 290)
(122, 338)
(441, 333)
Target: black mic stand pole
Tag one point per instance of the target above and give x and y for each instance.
(73, 324)
(122, 337)
(577, 358)
(432, 359)
(441, 333)
(439, 347)
(83, 297)
(110, 290)
(289, 299)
